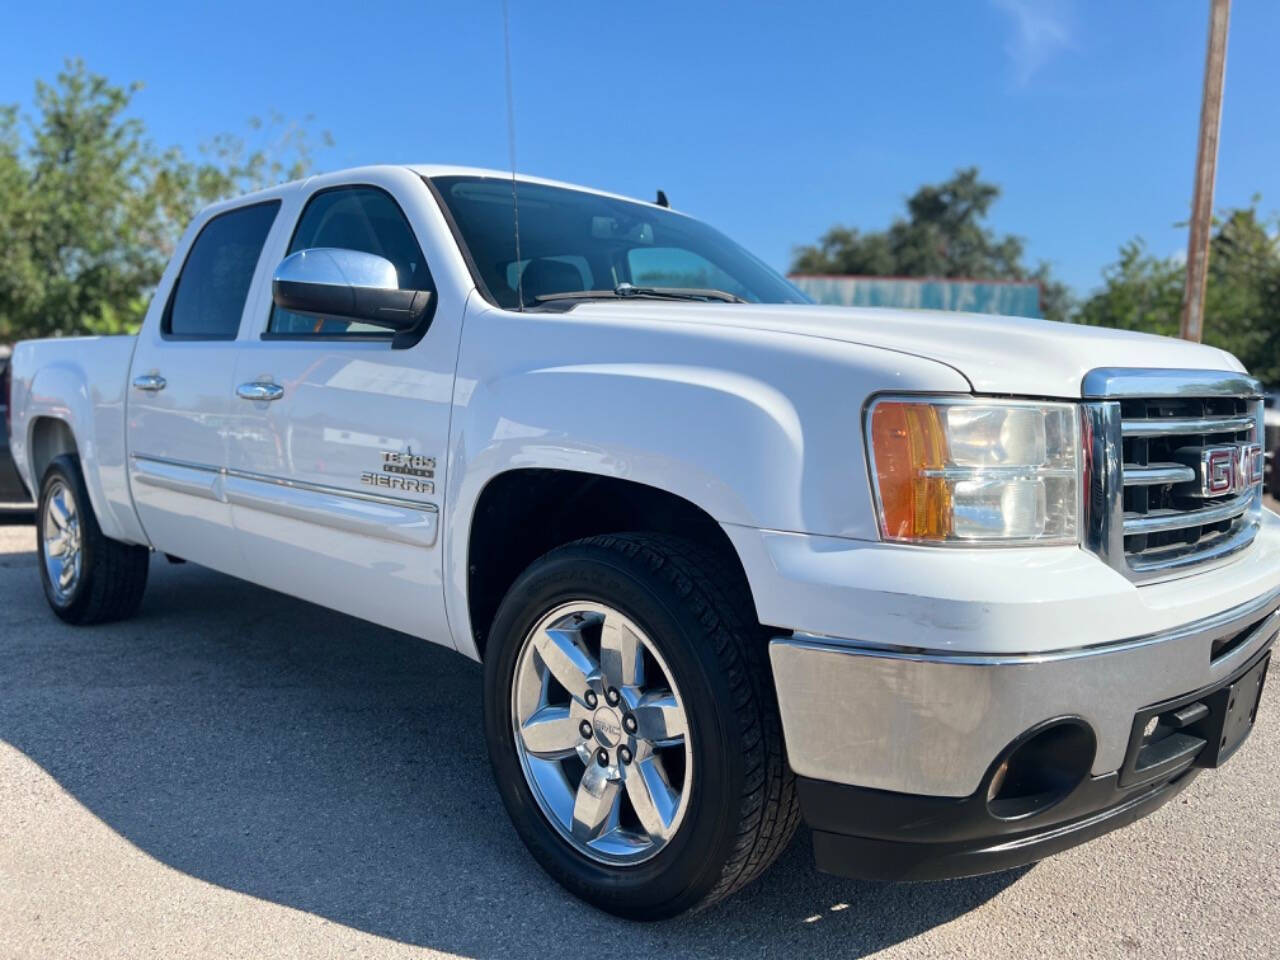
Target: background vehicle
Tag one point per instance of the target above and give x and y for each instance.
(998, 585)
(11, 489)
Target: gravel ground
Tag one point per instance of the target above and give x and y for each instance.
(239, 774)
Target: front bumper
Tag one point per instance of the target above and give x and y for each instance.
(893, 836)
(932, 723)
(905, 674)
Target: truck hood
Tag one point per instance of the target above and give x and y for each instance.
(999, 355)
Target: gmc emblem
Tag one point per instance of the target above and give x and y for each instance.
(1227, 470)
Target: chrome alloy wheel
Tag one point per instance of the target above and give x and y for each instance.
(63, 554)
(601, 733)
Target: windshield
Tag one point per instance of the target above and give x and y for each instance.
(577, 243)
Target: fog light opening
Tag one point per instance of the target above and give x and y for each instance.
(997, 781)
(1041, 768)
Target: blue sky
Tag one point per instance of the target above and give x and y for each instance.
(770, 120)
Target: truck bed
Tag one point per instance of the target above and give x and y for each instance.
(80, 384)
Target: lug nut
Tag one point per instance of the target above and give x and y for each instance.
(629, 723)
(624, 754)
(613, 696)
(590, 698)
(602, 757)
(584, 728)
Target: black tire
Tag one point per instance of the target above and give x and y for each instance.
(742, 810)
(113, 575)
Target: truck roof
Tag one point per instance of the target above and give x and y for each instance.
(424, 170)
(438, 170)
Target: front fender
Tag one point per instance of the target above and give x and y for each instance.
(728, 442)
(758, 429)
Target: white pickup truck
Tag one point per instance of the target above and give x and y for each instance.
(962, 591)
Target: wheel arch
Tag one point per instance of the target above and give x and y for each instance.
(50, 437)
(523, 513)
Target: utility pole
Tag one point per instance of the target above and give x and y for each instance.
(1215, 65)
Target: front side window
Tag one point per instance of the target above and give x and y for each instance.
(580, 245)
(208, 298)
(366, 219)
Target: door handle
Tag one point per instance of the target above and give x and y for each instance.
(150, 382)
(259, 391)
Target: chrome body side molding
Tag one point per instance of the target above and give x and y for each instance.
(369, 514)
(192, 479)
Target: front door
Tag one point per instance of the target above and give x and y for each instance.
(180, 392)
(337, 449)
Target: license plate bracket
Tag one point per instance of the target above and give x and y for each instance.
(1201, 729)
(1233, 710)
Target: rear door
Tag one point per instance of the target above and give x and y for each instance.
(180, 392)
(335, 470)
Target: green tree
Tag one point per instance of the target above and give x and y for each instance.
(90, 208)
(1242, 300)
(943, 235)
(1141, 292)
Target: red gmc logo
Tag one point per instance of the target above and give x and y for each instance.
(1234, 469)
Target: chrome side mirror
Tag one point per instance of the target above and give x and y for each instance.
(347, 284)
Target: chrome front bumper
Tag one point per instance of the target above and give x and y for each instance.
(931, 723)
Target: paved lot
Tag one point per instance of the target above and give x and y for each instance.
(237, 774)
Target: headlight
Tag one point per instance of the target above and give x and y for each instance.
(976, 471)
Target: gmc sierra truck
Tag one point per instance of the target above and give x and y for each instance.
(959, 591)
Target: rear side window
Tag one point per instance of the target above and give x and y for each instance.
(209, 297)
(354, 218)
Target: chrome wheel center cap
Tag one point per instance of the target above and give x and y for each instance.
(607, 726)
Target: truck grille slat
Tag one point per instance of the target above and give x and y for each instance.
(1156, 473)
(1198, 426)
(1158, 521)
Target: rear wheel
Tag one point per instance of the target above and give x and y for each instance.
(87, 577)
(632, 725)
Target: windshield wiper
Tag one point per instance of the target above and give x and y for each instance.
(625, 291)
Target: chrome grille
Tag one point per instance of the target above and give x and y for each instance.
(1147, 514)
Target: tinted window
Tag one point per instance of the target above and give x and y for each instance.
(354, 218)
(209, 296)
(674, 267)
(574, 241)
(583, 280)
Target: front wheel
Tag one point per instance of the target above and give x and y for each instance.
(87, 577)
(633, 728)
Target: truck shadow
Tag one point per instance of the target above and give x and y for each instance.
(305, 758)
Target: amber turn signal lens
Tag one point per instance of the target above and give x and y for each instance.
(907, 440)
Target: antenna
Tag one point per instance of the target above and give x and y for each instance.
(511, 145)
